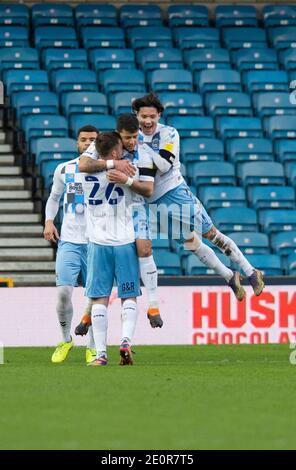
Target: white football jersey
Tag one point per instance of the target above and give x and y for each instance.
(166, 138)
(68, 181)
(140, 158)
(108, 210)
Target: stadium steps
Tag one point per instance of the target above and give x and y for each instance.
(24, 242)
(21, 230)
(10, 170)
(16, 207)
(28, 279)
(26, 254)
(12, 195)
(11, 183)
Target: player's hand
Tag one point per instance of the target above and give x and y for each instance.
(125, 166)
(50, 232)
(115, 176)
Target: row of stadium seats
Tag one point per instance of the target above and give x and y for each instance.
(192, 37)
(142, 15)
(147, 59)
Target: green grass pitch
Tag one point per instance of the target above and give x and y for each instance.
(174, 397)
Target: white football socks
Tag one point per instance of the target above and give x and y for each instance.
(230, 249)
(65, 310)
(208, 257)
(129, 315)
(90, 338)
(99, 325)
(148, 272)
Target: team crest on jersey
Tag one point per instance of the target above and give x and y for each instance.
(155, 143)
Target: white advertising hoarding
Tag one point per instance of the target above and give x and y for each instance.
(191, 314)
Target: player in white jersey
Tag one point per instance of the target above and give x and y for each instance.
(112, 250)
(72, 242)
(128, 128)
(171, 189)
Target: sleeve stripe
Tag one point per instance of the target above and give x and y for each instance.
(168, 156)
(147, 172)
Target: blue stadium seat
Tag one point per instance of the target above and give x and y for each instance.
(252, 173)
(109, 58)
(288, 58)
(96, 14)
(55, 36)
(55, 148)
(167, 263)
(259, 80)
(14, 36)
(103, 122)
(203, 149)
(84, 102)
(26, 80)
(171, 80)
(48, 169)
(195, 267)
(285, 149)
(271, 197)
(161, 243)
(251, 242)
(269, 265)
(218, 80)
(278, 15)
(209, 58)
(236, 15)
(18, 58)
(140, 15)
(222, 196)
(55, 58)
(193, 126)
(122, 102)
(188, 15)
(273, 103)
(149, 36)
(101, 36)
(231, 127)
(249, 149)
(82, 80)
(205, 173)
(32, 102)
(228, 103)
(159, 58)
(290, 169)
(190, 38)
(14, 14)
(175, 103)
(237, 38)
(113, 81)
(45, 125)
(235, 219)
(277, 220)
(278, 127)
(283, 243)
(282, 37)
(255, 59)
(52, 14)
(291, 264)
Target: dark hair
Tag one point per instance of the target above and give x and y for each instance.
(147, 101)
(106, 141)
(127, 122)
(88, 128)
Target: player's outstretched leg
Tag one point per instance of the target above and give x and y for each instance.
(207, 256)
(65, 313)
(230, 249)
